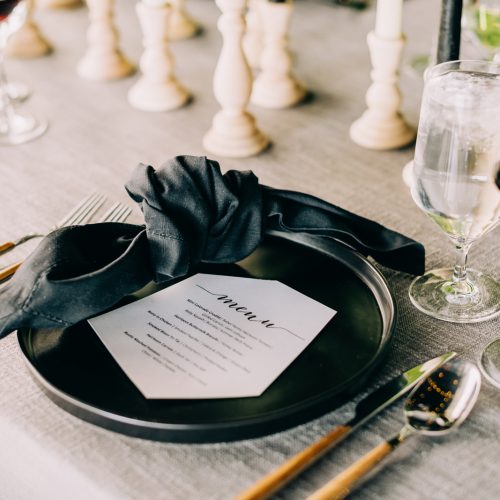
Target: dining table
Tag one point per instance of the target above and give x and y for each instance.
(94, 141)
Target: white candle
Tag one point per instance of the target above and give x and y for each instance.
(389, 18)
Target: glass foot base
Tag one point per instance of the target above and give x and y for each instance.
(490, 362)
(21, 129)
(434, 295)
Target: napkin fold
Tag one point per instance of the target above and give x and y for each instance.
(192, 214)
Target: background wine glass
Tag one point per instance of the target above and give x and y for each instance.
(17, 91)
(490, 358)
(481, 18)
(456, 159)
(15, 128)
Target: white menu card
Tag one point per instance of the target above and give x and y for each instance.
(211, 336)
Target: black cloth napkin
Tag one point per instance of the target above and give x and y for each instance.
(192, 214)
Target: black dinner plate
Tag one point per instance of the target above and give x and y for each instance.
(77, 372)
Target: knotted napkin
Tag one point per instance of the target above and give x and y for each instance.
(192, 214)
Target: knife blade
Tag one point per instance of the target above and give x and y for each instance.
(368, 407)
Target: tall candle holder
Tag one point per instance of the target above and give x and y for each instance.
(276, 87)
(234, 132)
(103, 59)
(157, 89)
(252, 40)
(382, 125)
(181, 25)
(28, 41)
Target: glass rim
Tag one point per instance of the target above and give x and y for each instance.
(462, 65)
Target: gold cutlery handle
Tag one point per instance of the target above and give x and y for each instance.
(341, 485)
(8, 271)
(285, 472)
(5, 246)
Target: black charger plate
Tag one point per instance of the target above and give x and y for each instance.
(77, 372)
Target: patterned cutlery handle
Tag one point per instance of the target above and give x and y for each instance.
(291, 468)
(340, 486)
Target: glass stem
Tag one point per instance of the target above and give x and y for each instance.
(461, 287)
(460, 269)
(460, 290)
(6, 106)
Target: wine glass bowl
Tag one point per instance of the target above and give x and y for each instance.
(15, 127)
(457, 157)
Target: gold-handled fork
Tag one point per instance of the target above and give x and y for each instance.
(80, 214)
(117, 213)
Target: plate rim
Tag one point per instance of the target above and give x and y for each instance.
(274, 420)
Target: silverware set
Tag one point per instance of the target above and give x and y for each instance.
(443, 392)
(82, 213)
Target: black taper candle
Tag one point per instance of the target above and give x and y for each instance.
(449, 31)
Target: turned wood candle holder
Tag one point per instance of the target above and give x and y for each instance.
(234, 132)
(103, 59)
(276, 87)
(180, 24)
(28, 41)
(253, 38)
(157, 89)
(382, 125)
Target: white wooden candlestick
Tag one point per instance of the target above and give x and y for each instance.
(103, 59)
(276, 87)
(58, 4)
(234, 132)
(157, 89)
(252, 41)
(382, 126)
(28, 41)
(181, 25)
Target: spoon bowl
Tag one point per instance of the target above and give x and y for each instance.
(439, 404)
(443, 400)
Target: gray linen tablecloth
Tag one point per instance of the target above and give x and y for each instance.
(96, 139)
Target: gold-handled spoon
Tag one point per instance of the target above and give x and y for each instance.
(436, 406)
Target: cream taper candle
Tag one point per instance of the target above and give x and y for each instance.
(389, 19)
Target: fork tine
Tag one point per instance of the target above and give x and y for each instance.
(109, 215)
(82, 208)
(117, 213)
(126, 211)
(91, 209)
(76, 210)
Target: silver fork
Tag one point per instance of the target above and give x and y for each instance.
(117, 213)
(80, 214)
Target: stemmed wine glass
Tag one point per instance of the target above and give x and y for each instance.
(490, 358)
(456, 160)
(15, 128)
(482, 19)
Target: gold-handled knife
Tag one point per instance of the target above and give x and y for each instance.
(372, 404)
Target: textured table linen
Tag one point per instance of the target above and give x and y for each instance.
(94, 142)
